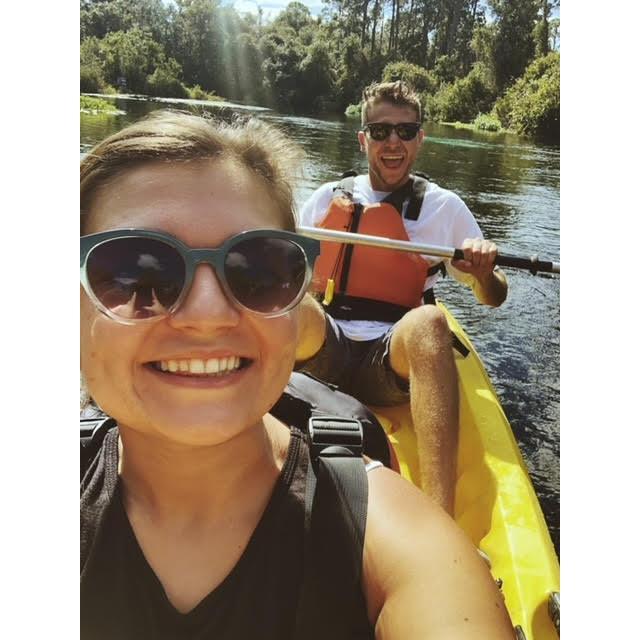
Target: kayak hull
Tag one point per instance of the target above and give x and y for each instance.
(495, 503)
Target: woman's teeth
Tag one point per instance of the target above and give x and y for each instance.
(196, 366)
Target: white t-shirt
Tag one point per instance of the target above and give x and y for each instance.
(444, 220)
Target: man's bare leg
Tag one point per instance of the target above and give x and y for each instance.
(421, 352)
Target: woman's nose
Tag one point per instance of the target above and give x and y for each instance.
(206, 306)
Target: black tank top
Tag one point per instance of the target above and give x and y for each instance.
(122, 598)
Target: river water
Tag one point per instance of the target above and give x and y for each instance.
(513, 188)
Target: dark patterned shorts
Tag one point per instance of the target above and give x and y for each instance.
(360, 368)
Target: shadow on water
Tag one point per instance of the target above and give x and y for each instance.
(513, 188)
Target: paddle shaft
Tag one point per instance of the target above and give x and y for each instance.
(532, 264)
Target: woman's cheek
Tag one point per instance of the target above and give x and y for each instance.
(105, 350)
(288, 338)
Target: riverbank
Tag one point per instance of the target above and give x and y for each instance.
(483, 122)
(93, 104)
(96, 103)
(217, 103)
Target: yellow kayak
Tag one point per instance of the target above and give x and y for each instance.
(495, 502)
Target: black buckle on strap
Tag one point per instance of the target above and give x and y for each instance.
(332, 436)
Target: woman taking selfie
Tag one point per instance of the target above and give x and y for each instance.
(193, 501)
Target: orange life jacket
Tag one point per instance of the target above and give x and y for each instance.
(371, 283)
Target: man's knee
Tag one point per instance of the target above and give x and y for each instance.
(312, 329)
(423, 334)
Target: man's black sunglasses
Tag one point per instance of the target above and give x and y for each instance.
(382, 130)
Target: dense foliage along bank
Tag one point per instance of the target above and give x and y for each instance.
(466, 57)
(89, 104)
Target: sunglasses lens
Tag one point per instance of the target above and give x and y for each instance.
(266, 275)
(136, 278)
(407, 131)
(380, 131)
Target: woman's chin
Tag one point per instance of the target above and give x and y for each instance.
(197, 426)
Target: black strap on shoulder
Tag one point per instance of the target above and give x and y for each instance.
(419, 188)
(413, 190)
(335, 522)
(305, 397)
(398, 197)
(334, 436)
(92, 433)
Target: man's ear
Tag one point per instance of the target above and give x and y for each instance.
(362, 141)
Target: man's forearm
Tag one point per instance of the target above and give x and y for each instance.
(491, 290)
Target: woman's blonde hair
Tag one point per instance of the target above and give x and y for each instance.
(174, 136)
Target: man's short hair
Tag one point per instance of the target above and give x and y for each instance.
(398, 93)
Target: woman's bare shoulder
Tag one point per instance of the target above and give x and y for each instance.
(422, 575)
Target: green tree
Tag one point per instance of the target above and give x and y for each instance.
(91, 66)
(282, 55)
(531, 106)
(198, 43)
(542, 31)
(130, 56)
(165, 80)
(317, 78)
(463, 99)
(100, 17)
(514, 44)
(295, 15)
(421, 79)
(354, 72)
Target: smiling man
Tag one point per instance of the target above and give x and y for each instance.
(378, 333)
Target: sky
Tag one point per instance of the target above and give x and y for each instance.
(271, 8)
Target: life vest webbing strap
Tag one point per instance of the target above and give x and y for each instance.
(348, 254)
(398, 197)
(412, 191)
(344, 307)
(437, 268)
(429, 297)
(419, 189)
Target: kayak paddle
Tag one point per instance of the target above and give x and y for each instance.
(532, 264)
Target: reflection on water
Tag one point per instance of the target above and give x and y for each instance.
(513, 188)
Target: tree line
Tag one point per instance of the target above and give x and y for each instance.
(495, 60)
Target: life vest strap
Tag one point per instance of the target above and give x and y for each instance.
(437, 268)
(348, 253)
(412, 192)
(429, 297)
